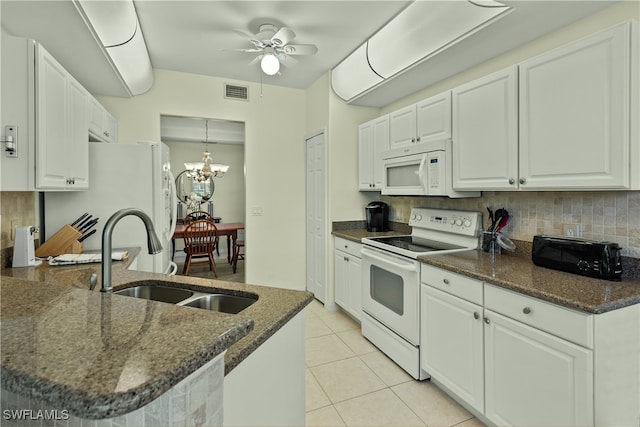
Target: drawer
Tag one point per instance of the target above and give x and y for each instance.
(572, 325)
(348, 246)
(452, 283)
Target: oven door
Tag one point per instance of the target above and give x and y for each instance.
(390, 291)
(405, 176)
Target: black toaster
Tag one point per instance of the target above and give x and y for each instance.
(585, 257)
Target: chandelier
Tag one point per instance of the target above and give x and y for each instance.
(202, 171)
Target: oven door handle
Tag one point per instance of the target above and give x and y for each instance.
(397, 262)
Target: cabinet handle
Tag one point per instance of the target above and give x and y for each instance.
(526, 310)
(486, 320)
(512, 181)
(522, 180)
(105, 133)
(413, 140)
(446, 281)
(346, 259)
(476, 315)
(346, 246)
(418, 139)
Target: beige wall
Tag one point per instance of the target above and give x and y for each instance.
(274, 156)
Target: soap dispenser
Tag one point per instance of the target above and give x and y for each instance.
(23, 249)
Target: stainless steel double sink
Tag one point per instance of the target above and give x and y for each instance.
(224, 303)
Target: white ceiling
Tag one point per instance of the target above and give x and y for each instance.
(190, 36)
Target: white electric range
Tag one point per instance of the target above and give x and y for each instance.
(391, 279)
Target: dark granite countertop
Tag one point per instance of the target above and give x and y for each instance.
(521, 275)
(72, 347)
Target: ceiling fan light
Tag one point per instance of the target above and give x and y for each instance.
(270, 64)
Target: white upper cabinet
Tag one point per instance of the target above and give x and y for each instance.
(102, 125)
(485, 133)
(574, 114)
(373, 139)
(62, 151)
(427, 121)
(564, 120)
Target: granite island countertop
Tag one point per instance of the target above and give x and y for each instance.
(520, 274)
(75, 348)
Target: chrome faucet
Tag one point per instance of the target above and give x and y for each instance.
(153, 243)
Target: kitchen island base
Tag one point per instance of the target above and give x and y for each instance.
(268, 387)
(196, 400)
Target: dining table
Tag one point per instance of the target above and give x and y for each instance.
(229, 229)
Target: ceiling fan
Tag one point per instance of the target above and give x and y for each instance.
(272, 44)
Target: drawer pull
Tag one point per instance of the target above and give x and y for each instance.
(446, 281)
(486, 320)
(526, 310)
(476, 315)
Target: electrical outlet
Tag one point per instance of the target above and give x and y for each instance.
(256, 211)
(11, 140)
(572, 230)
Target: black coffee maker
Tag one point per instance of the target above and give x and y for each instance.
(377, 216)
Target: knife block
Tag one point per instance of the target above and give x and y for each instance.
(65, 241)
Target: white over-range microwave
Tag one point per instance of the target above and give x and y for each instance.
(420, 170)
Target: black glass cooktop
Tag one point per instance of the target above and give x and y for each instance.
(415, 244)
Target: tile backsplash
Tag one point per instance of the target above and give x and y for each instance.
(610, 215)
(17, 208)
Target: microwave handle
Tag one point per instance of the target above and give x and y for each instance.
(423, 174)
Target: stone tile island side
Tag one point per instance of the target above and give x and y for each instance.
(70, 354)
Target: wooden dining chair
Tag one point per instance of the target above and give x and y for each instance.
(238, 251)
(200, 240)
(198, 215)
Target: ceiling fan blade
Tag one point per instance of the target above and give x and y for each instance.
(300, 49)
(252, 38)
(282, 37)
(286, 60)
(256, 59)
(255, 50)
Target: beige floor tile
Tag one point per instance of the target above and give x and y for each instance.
(327, 416)
(386, 368)
(325, 349)
(347, 378)
(473, 422)
(338, 321)
(356, 342)
(316, 307)
(431, 404)
(315, 327)
(381, 408)
(315, 397)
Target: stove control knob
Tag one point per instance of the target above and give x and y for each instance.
(414, 216)
(452, 221)
(467, 222)
(583, 265)
(459, 222)
(418, 217)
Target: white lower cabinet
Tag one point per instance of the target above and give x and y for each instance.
(533, 378)
(347, 276)
(452, 344)
(513, 359)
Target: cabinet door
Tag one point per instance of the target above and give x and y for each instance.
(574, 114)
(365, 157)
(433, 118)
(355, 287)
(380, 144)
(485, 133)
(96, 117)
(78, 142)
(341, 278)
(402, 127)
(533, 378)
(110, 127)
(452, 344)
(51, 122)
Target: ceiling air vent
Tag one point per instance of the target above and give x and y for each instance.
(236, 92)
